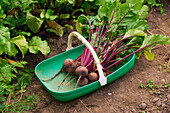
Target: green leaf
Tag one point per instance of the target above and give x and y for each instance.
(1, 48)
(144, 12)
(53, 17)
(4, 33)
(134, 32)
(4, 39)
(102, 11)
(97, 21)
(49, 15)
(93, 39)
(36, 44)
(19, 64)
(133, 2)
(138, 54)
(11, 21)
(42, 14)
(64, 16)
(155, 39)
(99, 2)
(52, 26)
(24, 33)
(33, 22)
(148, 55)
(71, 1)
(22, 21)
(139, 24)
(5, 72)
(13, 51)
(113, 28)
(78, 27)
(82, 19)
(5, 45)
(134, 40)
(162, 10)
(22, 44)
(77, 10)
(68, 26)
(25, 3)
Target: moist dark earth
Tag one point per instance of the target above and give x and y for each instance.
(124, 94)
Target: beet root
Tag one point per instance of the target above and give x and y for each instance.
(83, 81)
(81, 71)
(67, 65)
(93, 76)
(74, 66)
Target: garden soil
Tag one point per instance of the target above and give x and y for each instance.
(124, 94)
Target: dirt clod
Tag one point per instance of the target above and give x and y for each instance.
(155, 100)
(143, 106)
(158, 103)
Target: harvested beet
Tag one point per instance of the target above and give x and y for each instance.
(67, 65)
(93, 76)
(74, 66)
(81, 71)
(83, 81)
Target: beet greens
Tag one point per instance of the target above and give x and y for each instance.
(115, 31)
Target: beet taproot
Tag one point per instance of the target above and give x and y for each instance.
(93, 76)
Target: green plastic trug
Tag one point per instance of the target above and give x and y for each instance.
(48, 68)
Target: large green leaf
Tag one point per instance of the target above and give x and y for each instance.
(4, 38)
(33, 22)
(22, 44)
(155, 39)
(5, 44)
(36, 44)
